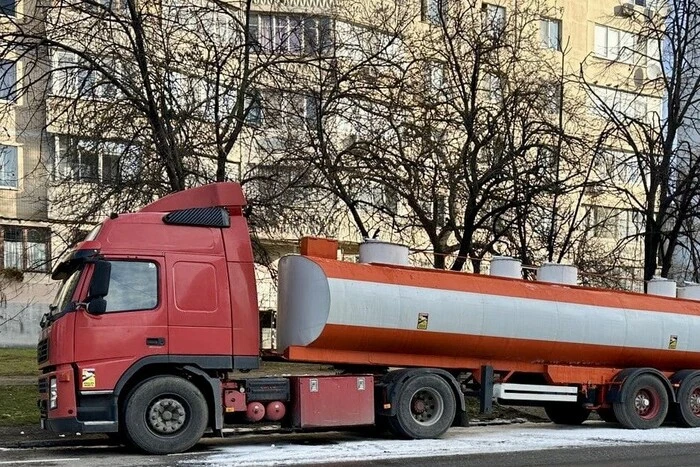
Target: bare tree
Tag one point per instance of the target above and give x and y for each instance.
(653, 139)
(136, 99)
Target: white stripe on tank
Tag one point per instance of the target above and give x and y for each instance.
(390, 306)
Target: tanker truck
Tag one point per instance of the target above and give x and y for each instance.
(155, 329)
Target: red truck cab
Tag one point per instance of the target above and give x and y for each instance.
(168, 289)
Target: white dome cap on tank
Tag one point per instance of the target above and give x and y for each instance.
(378, 251)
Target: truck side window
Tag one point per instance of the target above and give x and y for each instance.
(133, 285)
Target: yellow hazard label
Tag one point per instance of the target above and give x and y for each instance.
(88, 379)
(673, 342)
(422, 321)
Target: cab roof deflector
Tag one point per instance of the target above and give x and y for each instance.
(224, 194)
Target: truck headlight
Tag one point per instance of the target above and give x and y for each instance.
(53, 394)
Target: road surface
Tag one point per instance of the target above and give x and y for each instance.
(519, 445)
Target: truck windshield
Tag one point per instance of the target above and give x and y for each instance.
(64, 295)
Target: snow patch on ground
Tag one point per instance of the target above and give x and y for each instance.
(457, 441)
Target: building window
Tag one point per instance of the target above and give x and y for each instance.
(603, 222)
(550, 33)
(68, 77)
(311, 109)
(254, 109)
(291, 34)
(26, 248)
(433, 10)
(494, 18)
(291, 110)
(435, 77)
(614, 44)
(624, 104)
(553, 94)
(615, 224)
(8, 7)
(92, 161)
(546, 160)
(8, 166)
(619, 167)
(494, 88)
(8, 79)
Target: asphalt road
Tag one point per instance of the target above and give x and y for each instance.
(677, 455)
(644, 454)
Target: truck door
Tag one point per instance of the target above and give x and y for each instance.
(133, 326)
(199, 305)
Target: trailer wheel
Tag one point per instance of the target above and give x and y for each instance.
(688, 408)
(567, 413)
(644, 403)
(165, 415)
(425, 408)
(607, 415)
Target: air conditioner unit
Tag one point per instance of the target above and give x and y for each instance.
(625, 10)
(653, 70)
(639, 77)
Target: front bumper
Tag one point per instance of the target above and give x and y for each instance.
(92, 413)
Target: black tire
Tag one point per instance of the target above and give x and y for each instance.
(165, 415)
(567, 413)
(425, 408)
(607, 415)
(644, 403)
(687, 411)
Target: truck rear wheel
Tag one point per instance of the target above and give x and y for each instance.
(644, 402)
(425, 408)
(567, 413)
(165, 415)
(688, 409)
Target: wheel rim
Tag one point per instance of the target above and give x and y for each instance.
(427, 406)
(647, 403)
(166, 416)
(694, 401)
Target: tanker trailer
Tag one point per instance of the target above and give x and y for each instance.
(630, 356)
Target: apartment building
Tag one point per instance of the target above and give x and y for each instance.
(39, 150)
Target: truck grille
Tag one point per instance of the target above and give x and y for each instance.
(43, 408)
(43, 386)
(42, 351)
(43, 402)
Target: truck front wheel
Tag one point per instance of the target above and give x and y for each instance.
(425, 408)
(165, 415)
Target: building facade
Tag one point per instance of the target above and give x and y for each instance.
(47, 154)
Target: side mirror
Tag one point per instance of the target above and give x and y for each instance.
(99, 285)
(97, 306)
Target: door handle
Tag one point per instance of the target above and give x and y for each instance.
(155, 341)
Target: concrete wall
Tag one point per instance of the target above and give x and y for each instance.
(21, 309)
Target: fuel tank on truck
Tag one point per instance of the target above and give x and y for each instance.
(339, 312)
